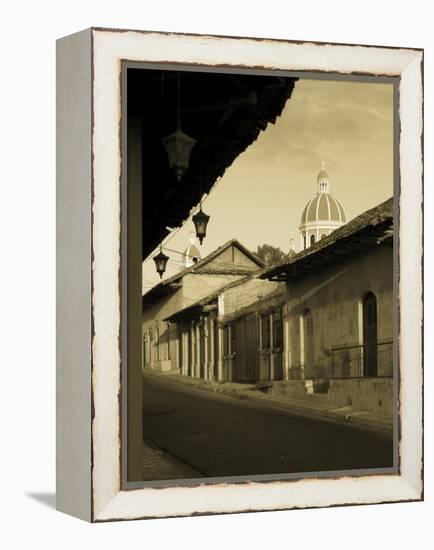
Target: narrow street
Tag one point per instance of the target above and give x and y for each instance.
(218, 435)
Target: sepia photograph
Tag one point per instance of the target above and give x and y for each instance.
(263, 207)
(239, 274)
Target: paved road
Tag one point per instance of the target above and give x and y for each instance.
(221, 436)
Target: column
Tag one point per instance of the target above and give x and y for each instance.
(286, 348)
(220, 352)
(198, 354)
(205, 348)
(211, 351)
(301, 320)
(185, 357)
(192, 354)
(132, 294)
(270, 320)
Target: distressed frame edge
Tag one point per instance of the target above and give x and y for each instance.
(73, 275)
(410, 490)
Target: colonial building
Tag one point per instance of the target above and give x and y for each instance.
(235, 333)
(322, 214)
(338, 314)
(161, 340)
(319, 323)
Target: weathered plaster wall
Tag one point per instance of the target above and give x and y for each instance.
(194, 287)
(333, 295)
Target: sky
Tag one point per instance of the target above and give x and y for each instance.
(261, 196)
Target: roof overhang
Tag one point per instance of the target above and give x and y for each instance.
(372, 228)
(223, 112)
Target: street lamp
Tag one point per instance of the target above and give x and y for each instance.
(200, 220)
(161, 262)
(178, 145)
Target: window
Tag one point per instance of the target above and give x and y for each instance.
(277, 329)
(265, 329)
(168, 340)
(309, 324)
(226, 340)
(312, 240)
(157, 343)
(323, 235)
(233, 338)
(145, 349)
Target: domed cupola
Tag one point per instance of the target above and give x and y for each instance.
(191, 254)
(322, 214)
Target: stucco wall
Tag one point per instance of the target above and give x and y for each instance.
(333, 295)
(366, 394)
(232, 257)
(194, 287)
(245, 294)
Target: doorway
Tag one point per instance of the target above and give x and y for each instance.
(370, 335)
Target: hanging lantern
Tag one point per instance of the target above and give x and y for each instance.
(200, 220)
(161, 262)
(178, 145)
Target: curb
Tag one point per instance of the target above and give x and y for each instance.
(330, 414)
(327, 413)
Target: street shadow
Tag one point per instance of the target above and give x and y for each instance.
(47, 499)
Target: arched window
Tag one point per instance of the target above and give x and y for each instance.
(323, 235)
(304, 241)
(312, 240)
(369, 307)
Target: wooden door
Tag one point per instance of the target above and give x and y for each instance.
(277, 345)
(308, 341)
(246, 359)
(370, 335)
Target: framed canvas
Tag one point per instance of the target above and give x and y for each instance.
(321, 342)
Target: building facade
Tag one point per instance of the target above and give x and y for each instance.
(234, 334)
(320, 323)
(162, 341)
(338, 315)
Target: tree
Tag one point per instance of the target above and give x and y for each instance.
(270, 255)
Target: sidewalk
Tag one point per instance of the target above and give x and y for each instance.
(299, 406)
(158, 465)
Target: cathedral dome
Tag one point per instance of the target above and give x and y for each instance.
(323, 207)
(191, 254)
(322, 214)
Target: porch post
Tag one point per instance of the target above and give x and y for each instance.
(198, 354)
(205, 348)
(220, 358)
(270, 320)
(185, 356)
(286, 348)
(192, 354)
(211, 350)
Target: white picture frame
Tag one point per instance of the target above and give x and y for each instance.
(89, 155)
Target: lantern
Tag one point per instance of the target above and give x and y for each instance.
(161, 262)
(178, 145)
(200, 220)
